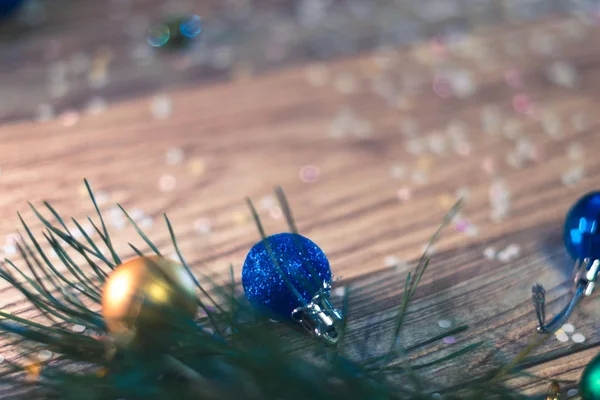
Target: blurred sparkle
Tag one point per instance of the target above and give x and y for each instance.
(309, 173)
(562, 337)
(203, 226)
(578, 338)
(161, 106)
(444, 323)
(174, 156)
(522, 103)
(403, 194)
(397, 171)
(70, 118)
(569, 328)
(158, 35)
(197, 166)
(96, 106)
(167, 183)
(390, 261)
(449, 340)
(489, 253)
(276, 213)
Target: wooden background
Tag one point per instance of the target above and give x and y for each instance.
(512, 129)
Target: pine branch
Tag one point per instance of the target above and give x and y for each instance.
(242, 356)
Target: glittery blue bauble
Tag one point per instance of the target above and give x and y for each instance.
(303, 263)
(582, 231)
(8, 6)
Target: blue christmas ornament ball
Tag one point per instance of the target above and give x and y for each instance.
(300, 260)
(7, 7)
(582, 230)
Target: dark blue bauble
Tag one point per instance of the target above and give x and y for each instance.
(303, 263)
(582, 228)
(7, 7)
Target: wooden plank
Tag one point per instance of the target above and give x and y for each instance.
(243, 137)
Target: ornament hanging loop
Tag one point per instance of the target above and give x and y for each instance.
(585, 274)
(319, 317)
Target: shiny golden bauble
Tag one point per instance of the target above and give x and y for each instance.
(146, 300)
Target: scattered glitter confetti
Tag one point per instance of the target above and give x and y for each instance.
(96, 106)
(446, 201)
(444, 323)
(569, 328)
(240, 218)
(488, 166)
(203, 226)
(267, 202)
(167, 183)
(197, 166)
(102, 197)
(503, 256)
(276, 213)
(442, 87)
(419, 177)
(44, 355)
(146, 223)
(136, 214)
(449, 340)
(317, 75)
(552, 125)
(578, 338)
(391, 261)
(78, 328)
(174, 156)
(462, 84)
(437, 143)
(562, 74)
(118, 223)
(562, 337)
(572, 392)
(70, 118)
(489, 253)
(514, 250)
(398, 171)
(462, 226)
(522, 104)
(1, 358)
(339, 291)
(403, 194)
(573, 175)
(161, 106)
(309, 173)
(10, 249)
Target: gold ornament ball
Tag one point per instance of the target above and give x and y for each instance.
(146, 299)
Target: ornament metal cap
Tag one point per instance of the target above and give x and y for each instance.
(319, 317)
(585, 274)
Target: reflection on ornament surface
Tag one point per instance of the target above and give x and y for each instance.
(146, 299)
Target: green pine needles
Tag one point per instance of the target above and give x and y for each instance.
(229, 352)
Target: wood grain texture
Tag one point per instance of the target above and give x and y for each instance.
(242, 137)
